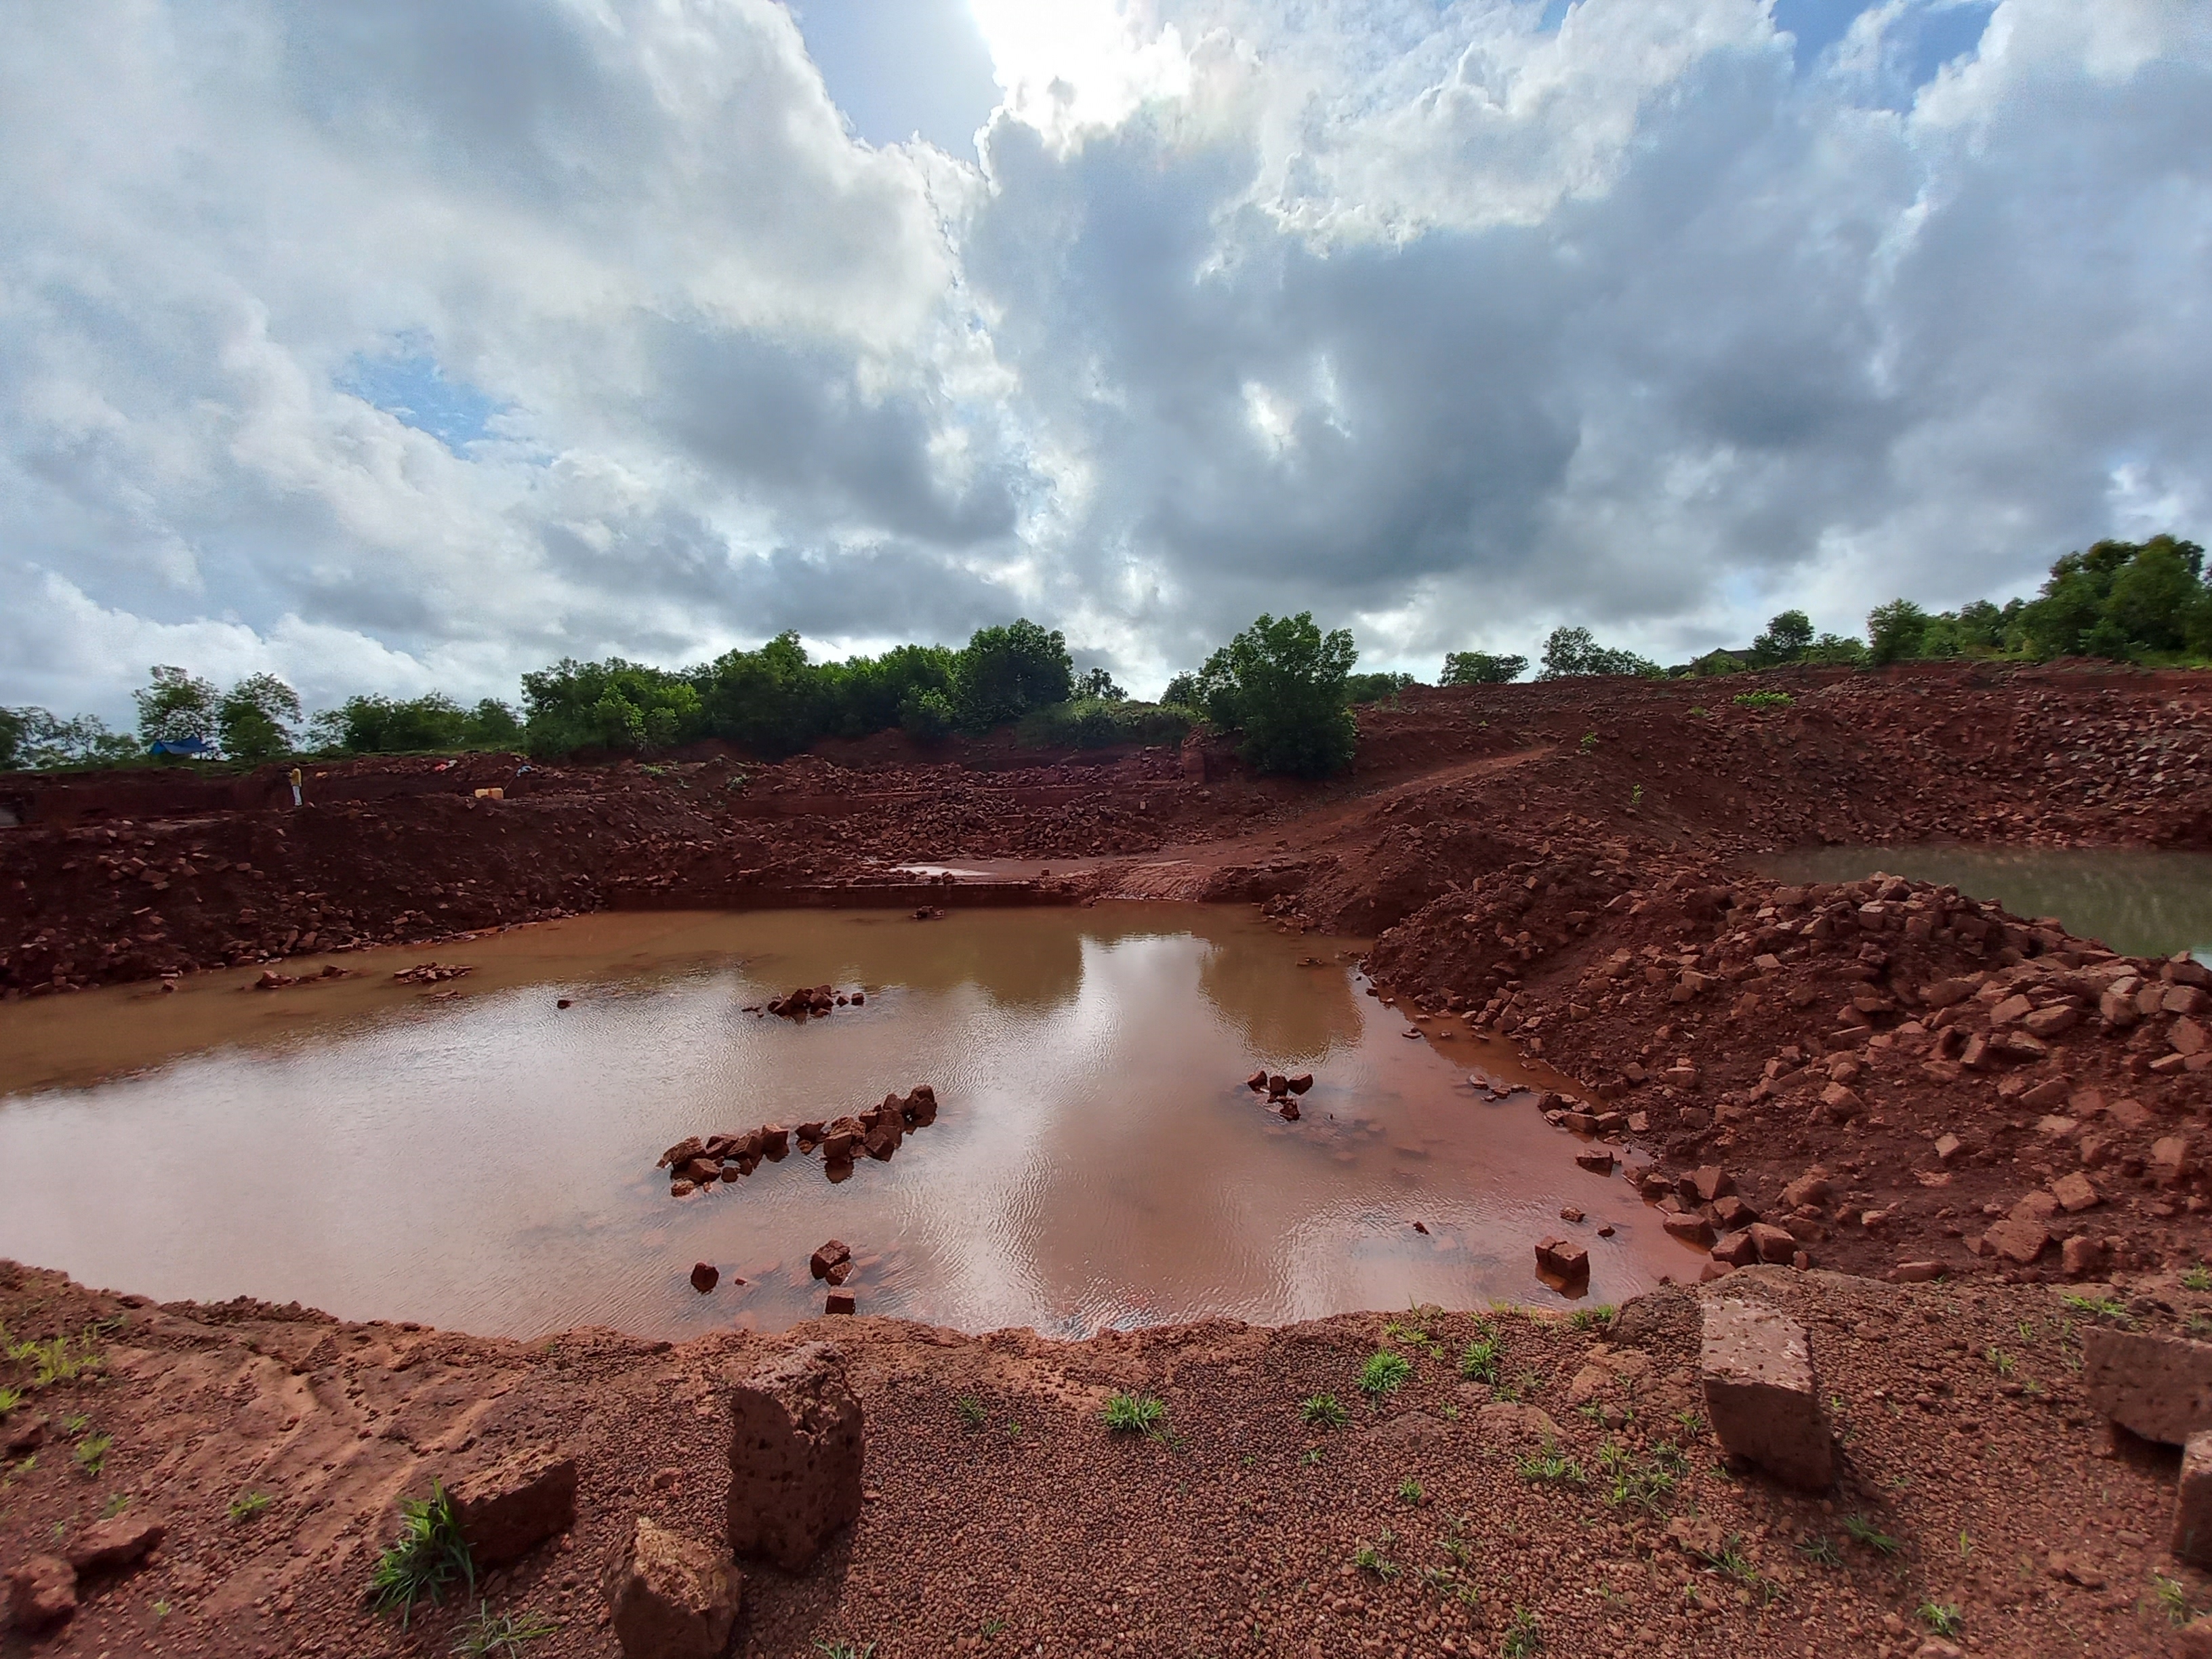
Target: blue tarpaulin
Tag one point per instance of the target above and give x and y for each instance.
(181, 746)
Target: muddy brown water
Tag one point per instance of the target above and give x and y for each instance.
(2140, 902)
(483, 1161)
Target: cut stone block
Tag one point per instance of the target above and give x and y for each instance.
(2192, 1504)
(797, 1440)
(509, 1510)
(2158, 1387)
(1762, 1397)
(670, 1597)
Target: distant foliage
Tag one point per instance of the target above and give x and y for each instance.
(429, 724)
(33, 739)
(608, 705)
(1284, 685)
(1571, 654)
(1377, 688)
(1007, 672)
(1099, 723)
(2144, 602)
(1480, 668)
(176, 707)
(255, 718)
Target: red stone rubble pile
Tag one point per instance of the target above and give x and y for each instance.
(1915, 1081)
(698, 1162)
(1281, 1091)
(809, 1001)
(432, 973)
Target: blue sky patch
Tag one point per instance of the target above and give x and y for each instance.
(412, 389)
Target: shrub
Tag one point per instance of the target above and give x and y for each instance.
(1480, 668)
(428, 1554)
(1383, 1373)
(1134, 1414)
(1283, 683)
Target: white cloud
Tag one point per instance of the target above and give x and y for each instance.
(1411, 313)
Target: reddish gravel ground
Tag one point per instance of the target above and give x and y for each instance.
(1001, 1518)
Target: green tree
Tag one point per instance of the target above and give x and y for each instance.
(1283, 684)
(15, 737)
(1571, 652)
(1787, 638)
(773, 700)
(176, 707)
(1007, 671)
(1182, 692)
(1895, 631)
(2153, 594)
(42, 742)
(1097, 685)
(255, 718)
(1480, 668)
(616, 704)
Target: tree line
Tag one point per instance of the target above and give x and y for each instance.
(1283, 685)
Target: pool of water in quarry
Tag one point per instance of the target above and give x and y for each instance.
(485, 1161)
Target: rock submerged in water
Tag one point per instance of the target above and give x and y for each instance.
(697, 1161)
(704, 1275)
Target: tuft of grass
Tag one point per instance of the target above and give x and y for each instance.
(115, 1506)
(246, 1505)
(1135, 1414)
(1863, 1531)
(970, 1412)
(2172, 1598)
(91, 1453)
(2097, 1306)
(844, 1650)
(9, 1399)
(1553, 1466)
(1375, 1558)
(1765, 700)
(1409, 1491)
(1647, 1483)
(1820, 1550)
(498, 1637)
(1477, 1361)
(1522, 1637)
(1323, 1412)
(2001, 1361)
(428, 1554)
(1383, 1373)
(1730, 1562)
(1942, 1617)
(1309, 1458)
(1583, 1319)
(2198, 1277)
(55, 1360)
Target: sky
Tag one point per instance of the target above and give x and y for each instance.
(414, 346)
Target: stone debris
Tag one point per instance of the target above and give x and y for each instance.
(1563, 1260)
(2157, 1387)
(811, 1002)
(41, 1593)
(2192, 1504)
(1761, 1394)
(797, 1439)
(508, 1510)
(114, 1545)
(699, 1161)
(432, 973)
(669, 1596)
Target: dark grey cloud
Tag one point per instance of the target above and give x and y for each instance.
(1451, 322)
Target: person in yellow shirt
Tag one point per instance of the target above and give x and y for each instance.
(296, 786)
